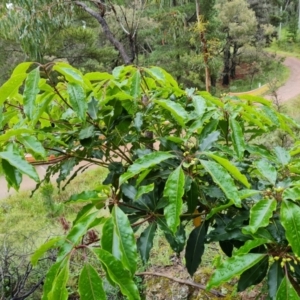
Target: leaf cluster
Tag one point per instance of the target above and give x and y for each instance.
(174, 156)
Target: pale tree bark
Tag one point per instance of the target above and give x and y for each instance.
(107, 32)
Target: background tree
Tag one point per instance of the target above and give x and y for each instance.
(239, 24)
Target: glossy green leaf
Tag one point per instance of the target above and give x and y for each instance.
(75, 235)
(135, 90)
(86, 132)
(232, 267)
(12, 175)
(210, 127)
(209, 140)
(177, 240)
(271, 115)
(93, 108)
(260, 214)
(286, 291)
(77, 99)
(59, 289)
(195, 248)
(291, 193)
(31, 143)
(145, 241)
(22, 68)
(162, 76)
(71, 74)
(267, 170)
(173, 191)
(90, 284)
(98, 76)
(50, 278)
(218, 208)
(11, 86)
(83, 212)
(256, 99)
(275, 277)
(148, 161)
(118, 274)
(290, 219)
(109, 240)
(282, 155)
(193, 197)
(52, 243)
(249, 245)
(232, 169)
(138, 121)
(127, 243)
(85, 196)
(254, 275)
(237, 137)
(221, 177)
(21, 164)
(30, 92)
(199, 104)
(176, 110)
(42, 106)
(14, 133)
(244, 194)
(144, 189)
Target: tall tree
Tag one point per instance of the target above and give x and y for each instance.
(239, 24)
(35, 23)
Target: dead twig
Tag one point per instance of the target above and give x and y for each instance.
(187, 282)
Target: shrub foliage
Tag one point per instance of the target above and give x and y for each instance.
(174, 156)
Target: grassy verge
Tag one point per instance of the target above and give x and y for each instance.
(284, 49)
(26, 223)
(292, 108)
(22, 213)
(274, 76)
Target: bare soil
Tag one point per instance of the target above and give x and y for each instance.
(291, 88)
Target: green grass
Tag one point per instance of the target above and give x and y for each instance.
(274, 74)
(284, 46)
(292, 108)
(27, 222)
(29, 215)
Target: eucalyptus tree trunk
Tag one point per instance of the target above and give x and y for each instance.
(99, 16)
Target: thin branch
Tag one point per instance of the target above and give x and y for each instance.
(71, 154)
(32, 290)
(142, 221)
(187, 282)
(107, 32)
(118, 19)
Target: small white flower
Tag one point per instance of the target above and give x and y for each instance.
(9, 5)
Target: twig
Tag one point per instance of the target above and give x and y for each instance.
(107, 32)
(187, 282)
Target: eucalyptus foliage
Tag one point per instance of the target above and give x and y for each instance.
(173, 156)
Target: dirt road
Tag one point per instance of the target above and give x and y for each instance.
(291, 88)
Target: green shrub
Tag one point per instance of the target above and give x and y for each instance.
(174, 157)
